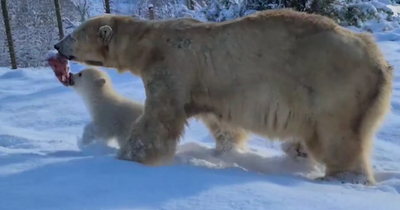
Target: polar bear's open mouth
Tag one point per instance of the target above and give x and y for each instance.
(59, 64)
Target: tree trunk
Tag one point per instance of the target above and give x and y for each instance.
(9, 34)
(107, 6)
(59, 20)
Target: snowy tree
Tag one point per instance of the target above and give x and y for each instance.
(34, 30)
(83, 7)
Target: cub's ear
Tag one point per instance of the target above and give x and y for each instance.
(105, 34)
(100, 82)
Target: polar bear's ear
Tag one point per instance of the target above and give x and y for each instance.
(100, 82)
(105, 33)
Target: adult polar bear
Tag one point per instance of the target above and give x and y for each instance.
(277, 73)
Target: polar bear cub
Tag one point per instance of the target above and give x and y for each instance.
(112, 114)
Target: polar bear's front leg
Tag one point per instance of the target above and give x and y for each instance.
(156, 132)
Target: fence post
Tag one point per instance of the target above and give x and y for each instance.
(151, 11)
(190, 4)
(9, 34)
(59, 20)
(107, 6)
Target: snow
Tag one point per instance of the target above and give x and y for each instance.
(43, 167)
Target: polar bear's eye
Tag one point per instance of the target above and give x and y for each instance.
(80, 74)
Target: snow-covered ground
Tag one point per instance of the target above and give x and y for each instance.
(41, 166)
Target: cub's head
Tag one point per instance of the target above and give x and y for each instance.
(90, 81)
(90, 42)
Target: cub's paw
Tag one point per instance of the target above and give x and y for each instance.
(82, 142)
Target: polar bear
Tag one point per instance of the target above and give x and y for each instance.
(277, 73)
(111, 114)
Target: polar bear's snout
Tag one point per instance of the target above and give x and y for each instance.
(64, 47)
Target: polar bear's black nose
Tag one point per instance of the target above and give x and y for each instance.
(56, 47)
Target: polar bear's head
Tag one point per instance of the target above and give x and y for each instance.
(91, 42)
(90, 81)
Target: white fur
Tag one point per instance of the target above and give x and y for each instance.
(112, 114)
